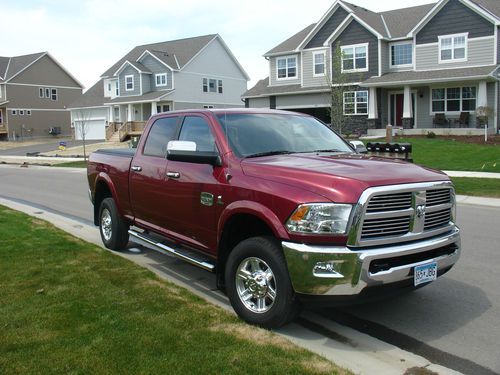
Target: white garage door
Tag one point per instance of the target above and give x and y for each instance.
(94, 129)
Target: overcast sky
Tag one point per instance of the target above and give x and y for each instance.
(88, 36)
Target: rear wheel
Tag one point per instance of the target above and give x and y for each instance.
(258, 284)
(113, 229)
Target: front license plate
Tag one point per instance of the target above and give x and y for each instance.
(425, 273)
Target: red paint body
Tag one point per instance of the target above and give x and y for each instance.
(270, 188)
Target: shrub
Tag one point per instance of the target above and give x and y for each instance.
(431, 135)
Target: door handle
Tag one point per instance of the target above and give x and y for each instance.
(136, 168)
(173, 174)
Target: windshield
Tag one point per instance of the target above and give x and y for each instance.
(253, 134)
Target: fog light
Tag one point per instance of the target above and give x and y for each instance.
(328, 269)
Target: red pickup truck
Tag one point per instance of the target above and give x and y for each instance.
(279, 206)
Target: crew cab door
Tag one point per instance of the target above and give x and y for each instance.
(148, 196)
(193, 188)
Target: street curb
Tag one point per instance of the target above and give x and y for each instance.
(354, 350)
(35, 159)
(478, 201)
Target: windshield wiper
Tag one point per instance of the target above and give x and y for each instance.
(269, 153)
(328, 150)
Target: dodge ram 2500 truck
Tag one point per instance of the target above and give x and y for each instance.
(278, 205)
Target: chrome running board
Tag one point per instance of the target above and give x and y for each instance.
(185, 255)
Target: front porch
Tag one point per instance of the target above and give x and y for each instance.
(427, 101)
(127, 120)
(4, 133)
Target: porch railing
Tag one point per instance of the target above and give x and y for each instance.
(112, 128)
(131, 128)
(3, 129)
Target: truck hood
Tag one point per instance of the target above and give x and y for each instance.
(339, 178)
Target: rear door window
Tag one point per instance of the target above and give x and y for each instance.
(162, 131)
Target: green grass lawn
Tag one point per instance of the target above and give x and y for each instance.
(447, 154)
(482, 187)
(67, 306)
(72, 164)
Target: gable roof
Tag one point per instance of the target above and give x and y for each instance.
(491, 6)
(372, 19)
(400, 21)
(93, 97)
(291, 43)
(10, 67)
(174, 53)
(136, 65)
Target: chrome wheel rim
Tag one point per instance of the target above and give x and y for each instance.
(106, 229)
(256, 285)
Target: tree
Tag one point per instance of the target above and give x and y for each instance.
(338, 82)
(81, 123)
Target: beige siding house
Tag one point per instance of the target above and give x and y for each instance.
(35, 91)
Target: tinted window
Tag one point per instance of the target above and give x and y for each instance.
(251, 134)
(162, 132)
(196, 129)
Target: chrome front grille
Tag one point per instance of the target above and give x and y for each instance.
(390, 202)
(437, 219)
(401, 213)
(387, 227)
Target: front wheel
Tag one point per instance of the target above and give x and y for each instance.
(258, 284)
(113, 229)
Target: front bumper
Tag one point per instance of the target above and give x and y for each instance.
(344, 271)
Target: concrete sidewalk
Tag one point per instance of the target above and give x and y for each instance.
(472, 174)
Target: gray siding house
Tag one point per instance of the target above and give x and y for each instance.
(431, 66)
(35, 91)
(199, 72)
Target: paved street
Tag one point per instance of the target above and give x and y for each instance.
(455, 321)
(50, 145)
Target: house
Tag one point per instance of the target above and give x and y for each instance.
(35, 91)
(199, 72)
(429, 66)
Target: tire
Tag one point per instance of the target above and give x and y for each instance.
(112, 227)
(258, 284)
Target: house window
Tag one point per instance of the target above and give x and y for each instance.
(356, 103)
(47, 92)
(287, 67)
(319, 63)
(28, 112)
(355, 58)
(211, 85)
(162, 108)
(205, 84)
(117, 89)
(453, 99)
(207, 106)
(53, 94)
(129, 83)
(161, 79)
(13, 112)
(219, 86)
(453, 48)
(109, 87)
(21, 112)
(41, 92)
(402, 54)
(1, 117)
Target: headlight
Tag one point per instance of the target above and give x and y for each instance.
(320, 218)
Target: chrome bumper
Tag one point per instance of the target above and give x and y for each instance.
(340, 271)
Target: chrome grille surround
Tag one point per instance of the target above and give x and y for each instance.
(401, 213)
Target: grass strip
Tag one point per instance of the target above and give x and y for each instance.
(480, 187)
(452, 155)
(67, 306)
(72, 164)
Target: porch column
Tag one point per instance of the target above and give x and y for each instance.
(407, 110)
(153, 108)
(372, 104)
(111, 114)
(130, 108)
(482, 96)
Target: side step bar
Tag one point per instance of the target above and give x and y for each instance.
(167, 250)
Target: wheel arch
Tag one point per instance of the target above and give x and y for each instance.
(240, 221)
